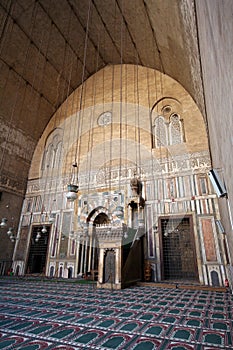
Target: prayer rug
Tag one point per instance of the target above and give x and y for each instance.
(43, 314)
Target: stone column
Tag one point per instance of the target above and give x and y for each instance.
(85, 254)
(90, 253)
(118, 265)
(130, 216)
(77, 257)
(101, 266)
(82, 256)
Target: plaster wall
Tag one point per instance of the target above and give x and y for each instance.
(215, 28)
(134, 96)
(129, 92)
(10, 208)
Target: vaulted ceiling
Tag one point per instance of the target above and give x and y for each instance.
(49, 47)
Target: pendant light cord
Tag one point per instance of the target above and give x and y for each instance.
(78, 143)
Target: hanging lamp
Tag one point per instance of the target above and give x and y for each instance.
(3, 223)
(72, 187)
(119, 212)
(52, 217)
(38, 235)
(44, 229)
(12, 237)
(9, 232)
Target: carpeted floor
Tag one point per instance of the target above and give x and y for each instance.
(38, 314)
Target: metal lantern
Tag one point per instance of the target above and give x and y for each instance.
(12, 237)
(44, 229)
(119, 212)
(71, 196)
(52, 218)
(3, 223)
(72, 187)
(9, 232)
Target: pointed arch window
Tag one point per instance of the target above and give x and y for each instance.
(48, 157)
(168, 133)
(53, 151)
(160, 132)
(57, 154)
(175, 130)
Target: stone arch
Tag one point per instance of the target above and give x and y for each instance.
(96, 212)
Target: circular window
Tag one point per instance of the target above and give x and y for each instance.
(166, 109)
(105, 118)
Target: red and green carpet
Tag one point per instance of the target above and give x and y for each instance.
(37, 314)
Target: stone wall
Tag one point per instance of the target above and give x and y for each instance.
(215, 27)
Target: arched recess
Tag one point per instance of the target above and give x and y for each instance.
(171, 173)
(98, 216)
(99, 97)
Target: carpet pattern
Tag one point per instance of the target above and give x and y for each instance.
(64, 315)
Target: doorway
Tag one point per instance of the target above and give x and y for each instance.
(100, 219)
(38, 250)
(178, 249)
(109, 266)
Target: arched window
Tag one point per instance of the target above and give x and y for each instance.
(53, 150)
(49, 156)
(57, 155)
(160, 132)
(175, 130)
